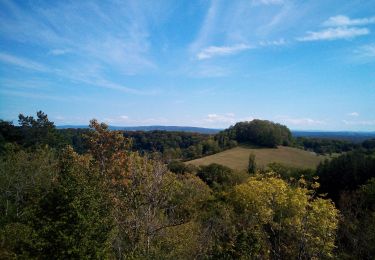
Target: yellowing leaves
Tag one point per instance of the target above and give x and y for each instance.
(289, 217)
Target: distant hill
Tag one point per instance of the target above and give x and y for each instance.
(339, 135)
(190, 129)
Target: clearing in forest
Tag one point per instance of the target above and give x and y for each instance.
(238, 157)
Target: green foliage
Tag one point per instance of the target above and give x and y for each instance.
(219, 229)
(181, 168)
(259, 132)
(226, 139)
(289, 173)
(39, 131)
(31, 133)
(284, 222)
(22, 174)
(75, 137)
(369, 144)
(110, 202)
(8, 134)
(325, 145)
(174, 145)
(220, 177)
(54, 205)
(146, 200)
(177, 167)
(345, 173)
(356, 238)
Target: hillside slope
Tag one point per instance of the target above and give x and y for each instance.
(237, 158)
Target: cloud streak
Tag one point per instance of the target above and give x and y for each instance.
(339, 27)
(119, 41)
(221, 118)
(267, 2)
(342, 20)
(279, 42)
(207, 27)
(130, 121)
(29, 95)
(58, 52)
(334, 34)
(214, 51)
(366, 51)
(301, 121)
(79, 76)
(208, 71)
(22, 62)
(355, 114)
(360, 123)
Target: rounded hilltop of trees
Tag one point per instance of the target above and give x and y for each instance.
(259, 132)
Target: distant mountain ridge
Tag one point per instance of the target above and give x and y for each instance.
(190, 129)
(341, 135)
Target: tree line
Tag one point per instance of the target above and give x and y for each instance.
(170, 146)
(111, 201)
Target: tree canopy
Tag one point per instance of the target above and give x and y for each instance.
(260, 132)
(105, 200)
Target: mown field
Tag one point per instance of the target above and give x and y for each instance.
(237, 158)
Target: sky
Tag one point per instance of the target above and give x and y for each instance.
(307, 64)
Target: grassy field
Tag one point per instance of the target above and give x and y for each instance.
(237, 158)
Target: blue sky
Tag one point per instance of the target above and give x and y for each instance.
(307, 64)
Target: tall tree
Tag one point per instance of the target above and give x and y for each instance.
(39, 131)
(251, 167)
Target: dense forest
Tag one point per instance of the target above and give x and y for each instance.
(96, 193)
(327, 146)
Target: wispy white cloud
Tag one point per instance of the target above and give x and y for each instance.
(359, 123)
(267, 2)
(22, 62)
(279, 42)
(219, 51)
(301, 121)
(34, 83)
(34, 95)
(120, 40)
(58, 117)
(221, 118)
(233, 27)
(342, 20)
(208, 71)
(208, 26)
(130, 121)
(365, 51)
(78, 76)
(127, 55)
(355, 114)
(340, 27)
(104, 83)
(214, 51)
(283, 19)
(335, 34)
(58, 52)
